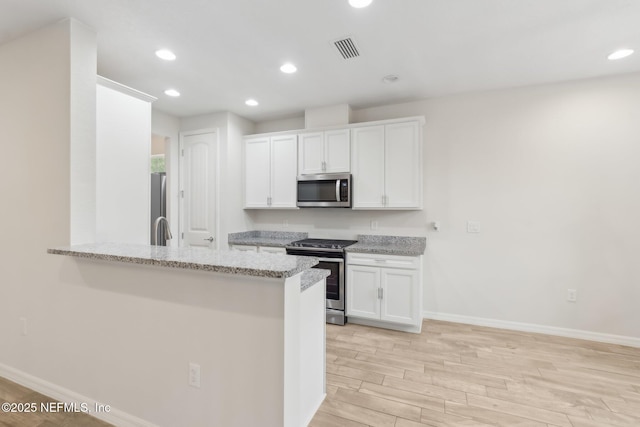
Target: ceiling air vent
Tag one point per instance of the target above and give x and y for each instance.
(347, 48)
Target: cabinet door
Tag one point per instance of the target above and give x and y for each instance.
(362, 292)
(284, 169)
(257, 172)
(367, 166)
(337, 151)
(403, 159)
(311, 153)
(400, 296)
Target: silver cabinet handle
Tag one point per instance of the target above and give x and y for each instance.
(379, 293)
(210, 239)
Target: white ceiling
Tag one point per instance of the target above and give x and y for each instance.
(231, 50)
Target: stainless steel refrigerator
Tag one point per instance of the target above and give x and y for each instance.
(158, 205)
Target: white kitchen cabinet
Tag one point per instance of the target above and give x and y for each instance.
(324, 152)
(385, 290)
(386, 163)
(270, 172)
(363, 291)
(367, 167)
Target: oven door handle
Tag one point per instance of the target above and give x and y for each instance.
(337, 260)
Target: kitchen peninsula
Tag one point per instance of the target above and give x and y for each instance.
(260, 333)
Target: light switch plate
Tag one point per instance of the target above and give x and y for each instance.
(473, 226)
(194, 375)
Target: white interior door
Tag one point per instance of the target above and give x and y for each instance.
(199, 163)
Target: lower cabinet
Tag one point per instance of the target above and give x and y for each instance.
(262, 249)
(386, 289)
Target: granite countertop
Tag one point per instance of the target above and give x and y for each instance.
(311, 277)
(231, 262)
(389, 245)
(265, 238)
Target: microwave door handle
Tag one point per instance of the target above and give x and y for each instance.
(337, 190)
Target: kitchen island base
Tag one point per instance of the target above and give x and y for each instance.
(258, 340)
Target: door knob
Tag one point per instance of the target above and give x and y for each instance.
(210, 239)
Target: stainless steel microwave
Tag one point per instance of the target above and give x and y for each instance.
(331, 190)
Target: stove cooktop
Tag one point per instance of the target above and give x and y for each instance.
(322, 243)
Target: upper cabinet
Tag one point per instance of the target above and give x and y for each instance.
(324, 152)
(384, 159)
(270, 172)
(386, 163)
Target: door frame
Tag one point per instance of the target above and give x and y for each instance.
(181, 167)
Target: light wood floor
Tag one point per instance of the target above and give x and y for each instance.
(461, 375)
(450, 375)
(14, 393)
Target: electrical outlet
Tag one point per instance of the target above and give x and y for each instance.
(572, 295)
(285, 223)
(374, 225)
(23, 324)
(194, 375)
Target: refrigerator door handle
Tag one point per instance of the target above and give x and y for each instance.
(163, 196)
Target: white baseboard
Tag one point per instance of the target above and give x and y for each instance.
(414, 329)
(61, 394)
(540, 329)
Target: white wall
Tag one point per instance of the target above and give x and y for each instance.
(291, 123)
(123, 150)
(83, 59)
(551, 173)
(35, 187)
(234, 217)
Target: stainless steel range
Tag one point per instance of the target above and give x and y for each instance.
(332, 257)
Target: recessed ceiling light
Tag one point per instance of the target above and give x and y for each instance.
(619, 54)
(360, 3)
(165, 54)
(251, 102)
(172, 92)
(391, 78)
(288, 68)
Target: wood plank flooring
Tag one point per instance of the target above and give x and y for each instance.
(462, 375)
(14, 393)
(449, 375)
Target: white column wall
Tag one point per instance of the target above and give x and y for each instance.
(123, 148)
(83, 59)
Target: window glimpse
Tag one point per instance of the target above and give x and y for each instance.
(157, 163)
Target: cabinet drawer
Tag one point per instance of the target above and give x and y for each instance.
(387, 261)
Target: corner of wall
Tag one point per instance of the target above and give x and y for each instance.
(83, 60)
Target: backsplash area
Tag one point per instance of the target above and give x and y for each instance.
(341, 223)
